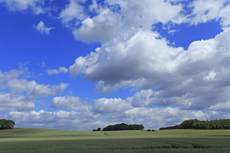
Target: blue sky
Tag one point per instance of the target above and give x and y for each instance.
(91, 63)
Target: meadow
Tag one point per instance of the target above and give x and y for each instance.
(22, 140)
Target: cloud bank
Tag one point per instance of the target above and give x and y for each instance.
(17, 93)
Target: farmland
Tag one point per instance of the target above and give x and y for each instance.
(23, 140)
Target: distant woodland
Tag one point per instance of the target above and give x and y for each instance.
(122, 126)
(196, 124)
(6, 124)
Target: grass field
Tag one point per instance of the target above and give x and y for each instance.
(22, 140)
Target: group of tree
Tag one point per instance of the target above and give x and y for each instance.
(123, 126)
(151, 130)
(196, 124)
(98, 129)
(6, 124)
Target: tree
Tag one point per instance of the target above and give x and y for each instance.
(94, 130)
(6, 124)
(99, 129)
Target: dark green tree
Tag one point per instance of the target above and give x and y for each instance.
(6, 124)
(123, 126)
(207, 124)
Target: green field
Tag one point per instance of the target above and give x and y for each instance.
(51, 141)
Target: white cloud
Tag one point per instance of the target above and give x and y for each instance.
(56, 120)
(101, 28)
(220, 107)
(149, 117)
(70, 102)
(138, 57)
(111, 23)
(57, 71)
(10, 102)
(123, 18)
(146, 61)
(116, 105)
(72, 13)
(42, 28)
(150, 11)
(103, 112)
(46, 90)
(22, 93)
(81, 63)
(21, 5)
(210, 76)
(93, 6)
(206, 10)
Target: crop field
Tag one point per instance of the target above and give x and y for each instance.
(21, 140)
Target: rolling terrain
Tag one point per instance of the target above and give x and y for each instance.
(24, 140)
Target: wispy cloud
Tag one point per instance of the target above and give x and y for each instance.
(57, 71)
(21, 5)
(43, 29)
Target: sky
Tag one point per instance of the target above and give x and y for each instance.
(84, 64)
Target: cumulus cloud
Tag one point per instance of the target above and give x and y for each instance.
(193, 78)
(121, 63)
(122, 18)
(23, 93)
(70, 102)
(116, 105)
(15, 103)
(42, 28)
(102, 112)
(57, 71)
(149, 117)
(111, 23)
(21, 5)
(101, 28)
(56, 120)
(115, 110)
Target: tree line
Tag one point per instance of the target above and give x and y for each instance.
(123, 126)
(6, 124)
(197, 124)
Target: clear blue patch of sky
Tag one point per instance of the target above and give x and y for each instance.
(4, 90)
(185, 34)
(21, 42)
(47, 101)
(86, 90)
(121, 93)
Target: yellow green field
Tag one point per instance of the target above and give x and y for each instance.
(23, 140)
